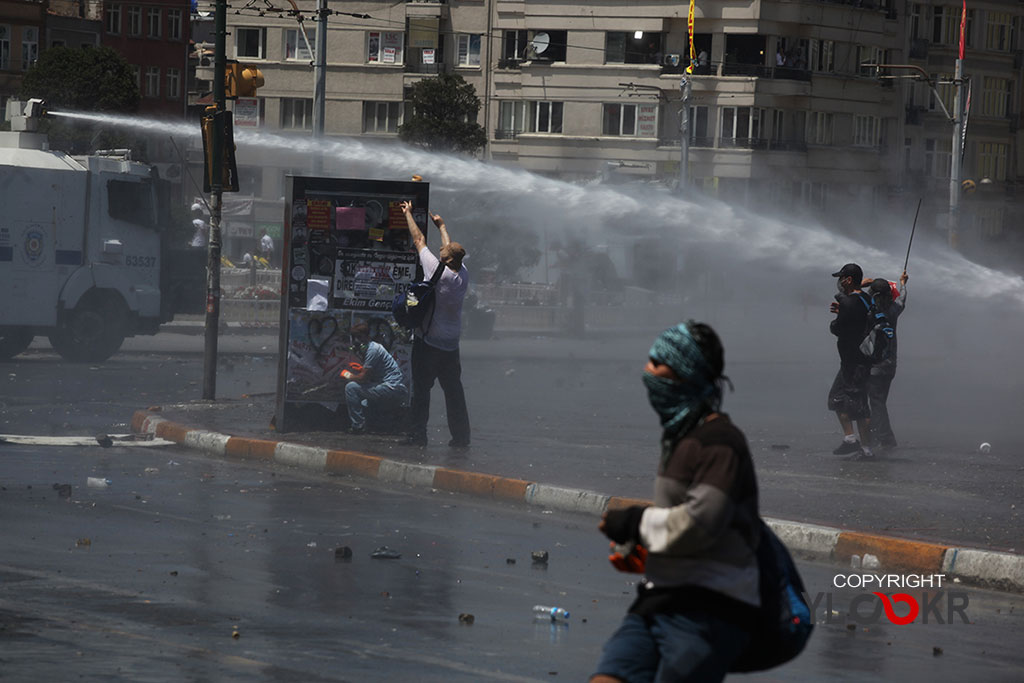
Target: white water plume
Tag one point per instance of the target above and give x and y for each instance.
(741, 236)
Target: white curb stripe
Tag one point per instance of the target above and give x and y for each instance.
(808, 538)
(209, 442)
(573, 500)
(1000, 569)
(405, 473)
(301, 456)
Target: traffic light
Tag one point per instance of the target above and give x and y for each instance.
(213, 120)
(241, 80)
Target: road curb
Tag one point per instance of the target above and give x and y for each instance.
(993, 569)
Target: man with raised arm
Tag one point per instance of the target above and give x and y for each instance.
(435, 350)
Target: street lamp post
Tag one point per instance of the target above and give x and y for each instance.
(684, 134)
(957, 119)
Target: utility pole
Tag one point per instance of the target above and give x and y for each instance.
(684, 135)
(216, 193)
(954, 162)
(320, 80)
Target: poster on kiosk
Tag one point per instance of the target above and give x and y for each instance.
(346, 253)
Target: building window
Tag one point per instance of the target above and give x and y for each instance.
(741, 126)
(114, 19)
(296, 114)
(29, 46)
(819, 128)
(468, 49)
(295, 47)
(998, 30)
(382, 117)
(512, 117)
(251, 42)
(619, 119)
(384, 47)
(153, 22)
(867, 131)
(174, 24)
(152, 81)
(546, 46)
(513, 45)
(937, 156)
(992, 160)
(915, 20)
(135, 21)
(632, 47)
(5, 47)
(823, 56)
(995, 99)
(867, 55)
(137, 75)
(173, 84)
(699, 127)
(545, 117)
(945, 90)
(946, 25)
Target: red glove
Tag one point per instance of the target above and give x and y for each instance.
(628, 558)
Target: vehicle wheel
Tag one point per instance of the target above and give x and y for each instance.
(14, 340)
(92, 332)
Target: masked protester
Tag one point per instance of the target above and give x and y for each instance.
(700, 590)
(377, 383)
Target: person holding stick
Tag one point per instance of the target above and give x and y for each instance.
(892, 303)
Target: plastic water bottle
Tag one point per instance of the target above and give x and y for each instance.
(554, 613)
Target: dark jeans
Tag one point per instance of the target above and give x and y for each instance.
(430, 363)
(878, 394)
(849, 393)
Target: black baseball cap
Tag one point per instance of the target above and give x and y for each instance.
(850, 270)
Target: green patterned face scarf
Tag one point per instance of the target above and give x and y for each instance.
(681, 405)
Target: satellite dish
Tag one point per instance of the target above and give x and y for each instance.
(540, 43)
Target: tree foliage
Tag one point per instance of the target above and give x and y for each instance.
(74, 79)
(69, 79)
(444, 116)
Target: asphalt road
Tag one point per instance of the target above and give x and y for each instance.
(151, 577)
(573, 413)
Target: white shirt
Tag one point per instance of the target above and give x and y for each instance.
(445, 326)
(267, 244)
(202, 234)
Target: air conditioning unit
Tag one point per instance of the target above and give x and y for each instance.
(671, 59)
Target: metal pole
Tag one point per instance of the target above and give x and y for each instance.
(954, 163)
(684, 135)
(320, 81)
(216, 190)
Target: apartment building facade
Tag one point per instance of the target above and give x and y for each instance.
(783, 107)
(152, 36)
(21, 29)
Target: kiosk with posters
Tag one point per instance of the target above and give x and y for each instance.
(346, 253)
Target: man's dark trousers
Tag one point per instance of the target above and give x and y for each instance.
(430, 363)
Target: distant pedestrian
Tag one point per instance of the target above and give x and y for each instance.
(700, 593)
(267, 248)
(200, 228)
(884, 371)
(848, 396)
(435, 350)
(377, 385)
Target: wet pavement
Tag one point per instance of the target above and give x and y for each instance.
(573, 413)
(190, 568)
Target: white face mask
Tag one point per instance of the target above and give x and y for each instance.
(839, 286)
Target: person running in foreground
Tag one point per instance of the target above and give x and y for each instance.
(701, 588)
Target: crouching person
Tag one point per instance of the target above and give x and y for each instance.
(378, 384)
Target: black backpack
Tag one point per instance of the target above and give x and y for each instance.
(876, 346)
(412, 306)
(784, 621)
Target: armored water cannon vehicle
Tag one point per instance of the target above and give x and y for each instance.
(84, 247)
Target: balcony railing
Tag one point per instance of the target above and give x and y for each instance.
(505, 133)
(513, 64)
(787, 145)
(742, 143)
(787, 73)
